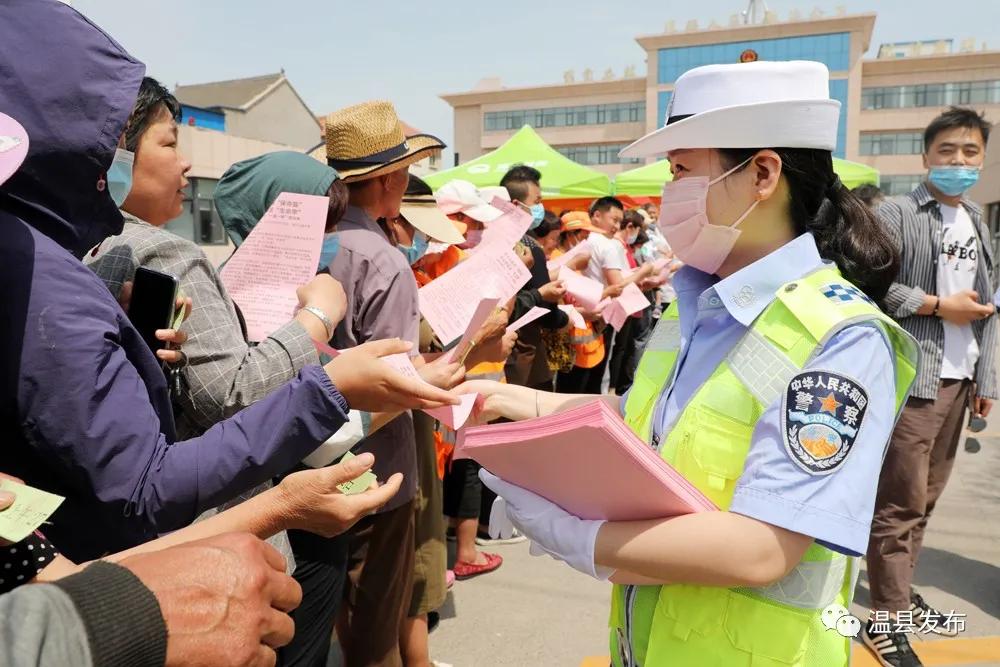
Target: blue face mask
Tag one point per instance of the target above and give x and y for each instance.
(537, 215)
(953, 181)
(417, 249)
(331, 245)
(120, 176)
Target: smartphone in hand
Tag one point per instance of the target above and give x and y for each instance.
(154, 296)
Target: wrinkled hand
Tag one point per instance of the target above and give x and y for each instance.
(442, 373)
(553, 292)
(507, 343)
(225, 600)
(494, 350)
(316, 505)
(551, 529)
(371, 385)
(963, 307)
(494, 326)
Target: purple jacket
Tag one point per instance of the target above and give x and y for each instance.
(84, 409)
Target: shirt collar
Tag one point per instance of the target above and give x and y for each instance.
(746, 293)
(923, 197)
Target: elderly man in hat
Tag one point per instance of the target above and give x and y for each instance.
(366, 145)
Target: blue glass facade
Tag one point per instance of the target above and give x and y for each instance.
(662, 102)
(838, 91)
(833, 50)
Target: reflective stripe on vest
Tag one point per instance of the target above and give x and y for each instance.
(764, 370)
(810, 585)
(778, 624)
(583, 339)
(666, 335)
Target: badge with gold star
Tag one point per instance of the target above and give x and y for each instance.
(821, 419)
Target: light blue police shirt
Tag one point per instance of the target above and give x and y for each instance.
(834, 508)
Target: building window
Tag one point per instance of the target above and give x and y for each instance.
(591, 154)
(931, 95)
(900, 185)
(892, 143)
(199, 221)
(590, 114)
(833, 50)
(993, 221)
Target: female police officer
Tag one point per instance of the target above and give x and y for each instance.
(772, 384)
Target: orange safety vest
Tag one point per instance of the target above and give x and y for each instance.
(589, 346)
(587, 343)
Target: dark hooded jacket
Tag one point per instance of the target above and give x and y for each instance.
(84, 407)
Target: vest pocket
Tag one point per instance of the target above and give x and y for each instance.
(717, 626)
(717, 446)
(773, 634)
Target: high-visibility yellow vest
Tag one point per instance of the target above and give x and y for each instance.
(779, 625)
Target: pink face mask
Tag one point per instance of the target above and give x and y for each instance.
(684, 223)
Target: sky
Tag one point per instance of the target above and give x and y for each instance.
(337, 53)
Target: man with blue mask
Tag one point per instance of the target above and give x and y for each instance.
(942, 297)
(528, 365)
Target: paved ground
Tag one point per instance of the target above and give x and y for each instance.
(533, 611)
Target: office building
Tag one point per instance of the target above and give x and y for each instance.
(887, 100)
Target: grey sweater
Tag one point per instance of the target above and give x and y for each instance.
(101, 616)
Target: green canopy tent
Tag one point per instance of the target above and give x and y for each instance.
(648, 181)
(561, 177)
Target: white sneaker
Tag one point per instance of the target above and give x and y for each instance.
(484, 540)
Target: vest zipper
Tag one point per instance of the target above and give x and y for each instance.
(630, 593)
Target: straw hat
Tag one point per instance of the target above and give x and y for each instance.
(422, 212)
(747, 105)
(367, 140)
(13, 146)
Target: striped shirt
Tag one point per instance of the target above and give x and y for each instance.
(914, 221)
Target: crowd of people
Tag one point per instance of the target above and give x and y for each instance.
(795, 334)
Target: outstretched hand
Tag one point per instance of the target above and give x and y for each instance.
(316, 505)
(371, 385)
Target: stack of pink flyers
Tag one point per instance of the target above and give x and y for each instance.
(587, 461)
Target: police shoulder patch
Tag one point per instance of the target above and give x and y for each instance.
(820, 419)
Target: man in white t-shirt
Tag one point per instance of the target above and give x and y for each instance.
(607, 255)
(956, 273)
(942, 297)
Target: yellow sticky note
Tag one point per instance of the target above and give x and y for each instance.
(358, 484)
(30, 509)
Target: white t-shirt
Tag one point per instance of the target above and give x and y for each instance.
(605, 253)
(956, 272)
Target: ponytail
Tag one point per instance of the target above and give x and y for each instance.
(846, 231)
